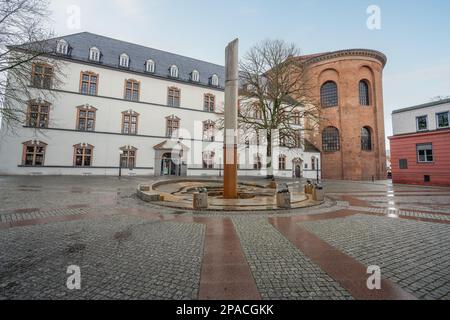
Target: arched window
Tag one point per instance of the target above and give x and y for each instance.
(62, 47)
(124, 60)
(195, 76)
(150, 66)
(329, 94)
(214, 80)
(282, 162)
(94, 54)
(330, 139)
(174, 71)
(366, 139)
(364, 93)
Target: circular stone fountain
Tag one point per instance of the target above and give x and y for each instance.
(251, 196)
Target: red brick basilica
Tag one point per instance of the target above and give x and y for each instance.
(351, 136)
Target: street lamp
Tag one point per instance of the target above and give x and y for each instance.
(120, 163)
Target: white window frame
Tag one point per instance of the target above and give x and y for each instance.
(437, 119)
(62, 47)
(417, 123)
(124, 60)
(174, 71)
(94, 54)
(195, 76)
(215, 80)
(426, 155)
(150, 66)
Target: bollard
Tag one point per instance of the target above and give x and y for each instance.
(283, 197)
(309, 188)
(200, 200)
(318, 193)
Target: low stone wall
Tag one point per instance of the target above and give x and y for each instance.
(146, 193)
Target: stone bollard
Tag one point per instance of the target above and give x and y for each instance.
(283, 197)
(309, 188)
(318, 193)
(200, 200)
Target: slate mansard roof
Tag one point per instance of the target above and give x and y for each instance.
(111, 49)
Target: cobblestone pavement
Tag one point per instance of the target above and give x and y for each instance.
(281, 271)
(415, 255)
(120, 258)
(128, 249)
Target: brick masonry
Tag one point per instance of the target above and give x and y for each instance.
(351, 163)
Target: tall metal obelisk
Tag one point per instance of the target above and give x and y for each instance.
(231, 124)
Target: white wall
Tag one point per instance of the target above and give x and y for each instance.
(405, 122)
(107, 140)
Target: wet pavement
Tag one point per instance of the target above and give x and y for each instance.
(128, 249)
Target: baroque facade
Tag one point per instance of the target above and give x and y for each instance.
(122, 105)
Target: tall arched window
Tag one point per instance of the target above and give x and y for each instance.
(330, 139)
(174, 71)
(329, 94)
(366, 139)
(364, 93)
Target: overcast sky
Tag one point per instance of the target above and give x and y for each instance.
(414, 34)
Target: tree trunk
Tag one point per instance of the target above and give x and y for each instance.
(269, 155)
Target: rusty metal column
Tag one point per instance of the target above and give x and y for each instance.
(231, 125)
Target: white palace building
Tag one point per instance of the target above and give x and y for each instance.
(124, 105)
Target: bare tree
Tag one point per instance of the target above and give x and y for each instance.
(24, 42)
(277, 97)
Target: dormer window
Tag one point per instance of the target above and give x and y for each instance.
(124, 60)
(214, 80)
(62, 47)
(174, 71)
(94, 54)
(150, 66)
(195, 76)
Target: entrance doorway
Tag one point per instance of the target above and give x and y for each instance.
(168, 166)
(297, 164)
(298, 171)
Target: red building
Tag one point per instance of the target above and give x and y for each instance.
(420, 147)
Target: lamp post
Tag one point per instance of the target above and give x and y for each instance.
(120, 163)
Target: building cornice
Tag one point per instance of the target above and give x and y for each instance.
(367, 53)
(420, 134)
